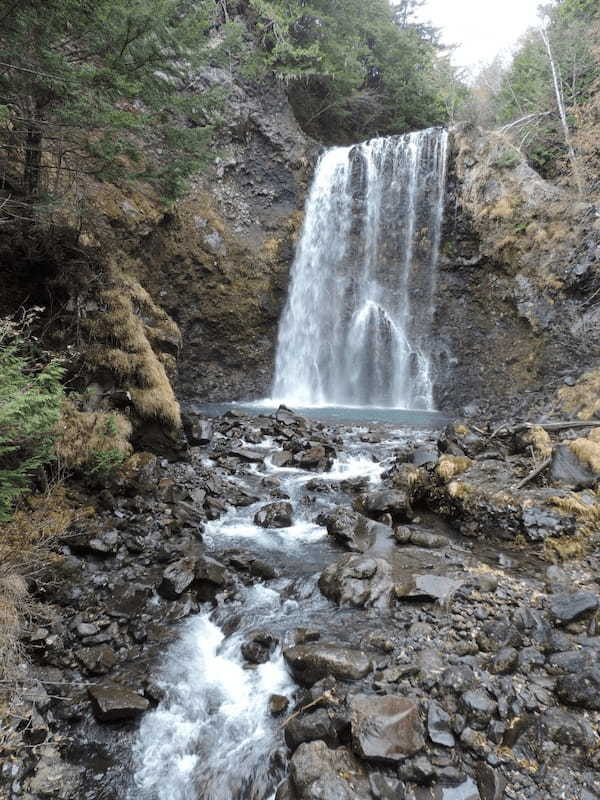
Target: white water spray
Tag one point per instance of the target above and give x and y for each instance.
(355, 329)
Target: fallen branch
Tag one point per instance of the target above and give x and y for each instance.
(327, 696)
(537, 471)
(556, 426)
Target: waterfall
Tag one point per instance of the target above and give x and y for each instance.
(355, 329)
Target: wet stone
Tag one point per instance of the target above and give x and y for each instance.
(177, 578)
(316, 726)
(278, 703)
(360, 581)
(275, 515)
(309, 663)
(114, 703)
(318, 773)
(386, 729)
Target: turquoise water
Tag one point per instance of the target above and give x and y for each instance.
(345, 415)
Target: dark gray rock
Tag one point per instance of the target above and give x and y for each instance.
(490, 782)
(582, 689)
(496, 635)
(567, 729)
(458, 679)
(278, 703)
(385, 788)
(178, 578)
(275, 515)
(114, 703)
(567, 608)
(309, 663)
(385, 729)
(352, 529)
(504, 661)
(568, 470)
(360, 581)
(478, 707)
(318, 773)
(439, 725)
(393, 502)
(311, 728)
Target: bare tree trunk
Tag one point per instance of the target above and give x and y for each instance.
(33, 161)
(562, 111)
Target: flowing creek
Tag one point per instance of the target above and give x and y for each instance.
(212, 736)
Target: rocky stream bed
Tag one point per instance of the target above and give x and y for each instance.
(311, 611)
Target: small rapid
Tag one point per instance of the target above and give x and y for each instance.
(212, 737)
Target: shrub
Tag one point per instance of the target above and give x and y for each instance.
(30, 398)
(507, 159)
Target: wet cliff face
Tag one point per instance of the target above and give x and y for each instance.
(218, 263)
(520, 262)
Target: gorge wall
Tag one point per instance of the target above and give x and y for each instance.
(516, 309)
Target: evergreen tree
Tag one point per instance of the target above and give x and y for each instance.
(85, 85)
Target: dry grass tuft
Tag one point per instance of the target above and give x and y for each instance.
(128, 337)
(583, 399)
(25, 552)
(450, 466)
(82, 435)
(540, 441)
(588, 452)
(566, 548)
(586, 513)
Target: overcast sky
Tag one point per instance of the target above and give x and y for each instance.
(481, 28)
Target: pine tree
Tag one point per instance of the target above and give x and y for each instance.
(98, 86)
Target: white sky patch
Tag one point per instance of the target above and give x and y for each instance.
(481, 28)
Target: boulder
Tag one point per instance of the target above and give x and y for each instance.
(200, 432)
(567, 608)
(567, 470)
(478, 707)
(318, 726)
(439, 725)
(310, 662)
(114, 703)
(275, 515)
(282, 458)
(360, 581)
(352, 529)
(395, 502)
(385, 729)
(98, 660)
(178, 578)
(427, 587)
(317, 457)
(248, 455)
(581, 689)
(318, 773)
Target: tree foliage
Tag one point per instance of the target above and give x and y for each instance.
(353, 68)
(96, 86)
(525, 87)
(30, 398)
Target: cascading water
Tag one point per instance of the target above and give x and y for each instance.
(356, 324)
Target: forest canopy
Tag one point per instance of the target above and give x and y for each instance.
(111, 88)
